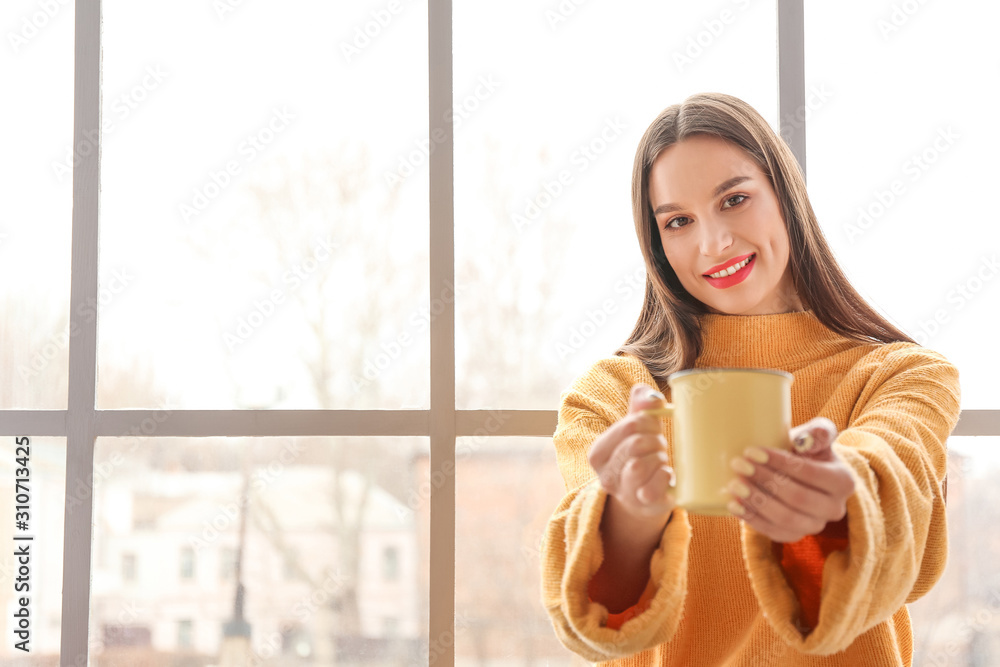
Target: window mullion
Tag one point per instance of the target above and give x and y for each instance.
(293, 423)
(80, 415)
(792, 77)
(441, 624)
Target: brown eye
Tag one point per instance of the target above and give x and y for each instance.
(739, 197)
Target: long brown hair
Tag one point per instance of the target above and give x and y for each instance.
(667, 334)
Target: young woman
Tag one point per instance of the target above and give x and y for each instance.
(824, 545)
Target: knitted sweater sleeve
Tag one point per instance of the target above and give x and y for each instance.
(572, 551)
(895, 445)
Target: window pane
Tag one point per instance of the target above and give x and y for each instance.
(260, 250)
(955, 623)
(896, 167)
(299, 525)
(549, 277)
(506, 488)
(36, 195)
(35, 497)
(511, 486)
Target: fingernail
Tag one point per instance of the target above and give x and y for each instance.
(742, 466)
(736, 508)
(655, 396)
(738, 488)
(803, 442)
(756, 454)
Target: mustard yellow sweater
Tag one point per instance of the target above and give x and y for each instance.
(722, 594)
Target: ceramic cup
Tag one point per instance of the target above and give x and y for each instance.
(716, 413)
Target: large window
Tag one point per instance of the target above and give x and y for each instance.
(290, 291)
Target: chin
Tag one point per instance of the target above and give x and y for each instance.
(735, 310)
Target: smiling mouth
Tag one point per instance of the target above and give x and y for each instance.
(732, 269)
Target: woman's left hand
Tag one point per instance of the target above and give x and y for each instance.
(789, 495)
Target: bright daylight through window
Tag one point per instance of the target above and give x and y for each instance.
(290, 292)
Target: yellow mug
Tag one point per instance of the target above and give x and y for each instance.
(717, 413)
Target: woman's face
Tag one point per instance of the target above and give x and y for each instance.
(715, 208)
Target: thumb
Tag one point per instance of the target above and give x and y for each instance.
(814, 439)
(643, 396)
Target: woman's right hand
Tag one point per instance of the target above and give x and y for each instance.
(631, 459)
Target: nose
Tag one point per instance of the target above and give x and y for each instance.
(715, 238)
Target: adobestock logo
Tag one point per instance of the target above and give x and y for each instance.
(391, 350)
(595, 318)
(248, 150)
(33, 24)
(914, 167)
(227, 518)
(959, 297)
(585, 154)
(464, 449)
(107, 292)
(225, 7)
(365, 34)
(699, 43)
(409, 162)
(815, 99)
(898, 17)
(121, 107)
(265, 308)
(103, 470)
(560, 13)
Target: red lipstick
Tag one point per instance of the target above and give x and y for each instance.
(736, 278)
(735, 260)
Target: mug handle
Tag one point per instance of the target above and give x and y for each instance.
(666, 411)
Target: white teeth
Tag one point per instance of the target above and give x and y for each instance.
(732, 269)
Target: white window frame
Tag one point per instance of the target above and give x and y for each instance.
(81, 423)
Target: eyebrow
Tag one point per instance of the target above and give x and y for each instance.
(719, 189)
